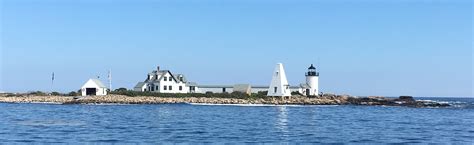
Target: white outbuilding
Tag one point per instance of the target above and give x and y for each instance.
(279, 85)
(93, 87)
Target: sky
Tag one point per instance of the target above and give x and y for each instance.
(364, 47)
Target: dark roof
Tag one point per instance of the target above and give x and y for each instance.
(162, 73)
(311, 67)
(139, 85)
(215, 86)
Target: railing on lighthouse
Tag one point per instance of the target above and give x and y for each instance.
(312, 73)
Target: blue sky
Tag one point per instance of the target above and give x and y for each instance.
(366, 47)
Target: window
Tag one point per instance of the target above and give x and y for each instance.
(171, 88)
(166, 79)
(180, 78)
(180, 88)
(165, 87)
(157, 87)
(223, 90)
(171, 79)
(275, 89)
(277, 73)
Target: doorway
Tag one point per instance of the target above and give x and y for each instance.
(91, 91)
(307, 92)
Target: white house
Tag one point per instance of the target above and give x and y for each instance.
(93, 87)
(279, 85)
(163, 81)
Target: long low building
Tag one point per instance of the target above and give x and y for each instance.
(163, 81)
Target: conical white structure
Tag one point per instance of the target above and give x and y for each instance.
(279, 85)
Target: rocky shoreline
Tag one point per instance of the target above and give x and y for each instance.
(294, 100)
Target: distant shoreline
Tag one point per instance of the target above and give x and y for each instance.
(294, 100)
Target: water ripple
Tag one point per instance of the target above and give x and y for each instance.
(184, 123)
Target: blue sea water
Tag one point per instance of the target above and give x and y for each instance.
(186, 123)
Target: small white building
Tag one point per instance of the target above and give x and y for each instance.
(279, 85)
(93, 87)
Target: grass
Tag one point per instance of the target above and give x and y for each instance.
(237, 95)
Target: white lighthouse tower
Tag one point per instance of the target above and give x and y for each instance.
(312, 80)
(279, 85)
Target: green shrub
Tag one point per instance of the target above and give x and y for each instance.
(296, 93)
(13, 95)
(37, 93)
(56, 94)
(120, 89)
(72, 93)
(259, 95)
(130, 93)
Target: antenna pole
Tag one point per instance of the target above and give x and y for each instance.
(110, 79)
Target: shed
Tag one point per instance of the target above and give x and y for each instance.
(243, 88)
(93, 87)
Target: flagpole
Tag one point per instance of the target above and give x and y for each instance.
(52, 82)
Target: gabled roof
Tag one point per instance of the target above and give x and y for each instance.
(191, 84)
(161, 73)
(215, 86)
(139, 85)
(184, 78)
(95, 82)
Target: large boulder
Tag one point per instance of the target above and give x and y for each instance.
(407, 99)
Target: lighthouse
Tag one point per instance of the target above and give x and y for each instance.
(312, 80)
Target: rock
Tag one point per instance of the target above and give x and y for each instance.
(406, 98)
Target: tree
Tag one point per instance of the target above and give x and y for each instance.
(55, 93)
(121, 90)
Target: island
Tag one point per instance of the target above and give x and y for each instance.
(234, 98)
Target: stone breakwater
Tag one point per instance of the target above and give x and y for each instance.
(295, 100)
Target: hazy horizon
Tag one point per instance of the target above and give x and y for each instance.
(363, 48)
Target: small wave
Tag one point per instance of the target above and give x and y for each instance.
(53, 103)
(51, 123)
(109, 104)
(260, 105)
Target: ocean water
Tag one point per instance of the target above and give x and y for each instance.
(200, 123)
